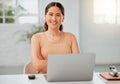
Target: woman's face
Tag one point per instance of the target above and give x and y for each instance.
(54, 17)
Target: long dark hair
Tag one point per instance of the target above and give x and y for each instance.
(60, 6)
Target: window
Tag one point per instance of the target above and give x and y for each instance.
(19, 11)
(7, 12)
(107, 11)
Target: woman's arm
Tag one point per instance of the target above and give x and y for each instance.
(75, 47)
(37, 60)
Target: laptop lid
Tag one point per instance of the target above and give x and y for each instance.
(70, 67)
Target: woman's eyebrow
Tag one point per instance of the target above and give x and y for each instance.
(58, 13)
(53, 13)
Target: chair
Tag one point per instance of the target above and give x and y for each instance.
(28, 69)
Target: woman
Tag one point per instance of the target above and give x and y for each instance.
(53, 40)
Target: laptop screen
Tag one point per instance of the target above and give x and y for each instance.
(70, 67)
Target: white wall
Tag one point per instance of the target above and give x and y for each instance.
(104, 40)
(14, 50)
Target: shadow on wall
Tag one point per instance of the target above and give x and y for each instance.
(15, 49)
(26, 35)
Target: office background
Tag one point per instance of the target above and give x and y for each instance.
(102, 39)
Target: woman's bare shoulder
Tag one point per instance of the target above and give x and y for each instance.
(38, 35)
(68, 34)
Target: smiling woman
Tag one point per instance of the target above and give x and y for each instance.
(54, 40)
(15, 50)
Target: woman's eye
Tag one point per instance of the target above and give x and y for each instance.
(58, 14)
(51, 14)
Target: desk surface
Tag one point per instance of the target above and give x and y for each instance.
(40, 79)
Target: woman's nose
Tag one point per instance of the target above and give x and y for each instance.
(54, 17)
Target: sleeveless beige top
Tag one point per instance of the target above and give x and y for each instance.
(61, 47)
(41, 47)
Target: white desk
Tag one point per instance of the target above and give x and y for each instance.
(40, 79)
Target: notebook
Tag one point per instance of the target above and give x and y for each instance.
(70, 67)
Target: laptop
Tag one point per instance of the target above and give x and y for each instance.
(70, 67)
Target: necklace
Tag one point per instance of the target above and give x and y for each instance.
(54, 38)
